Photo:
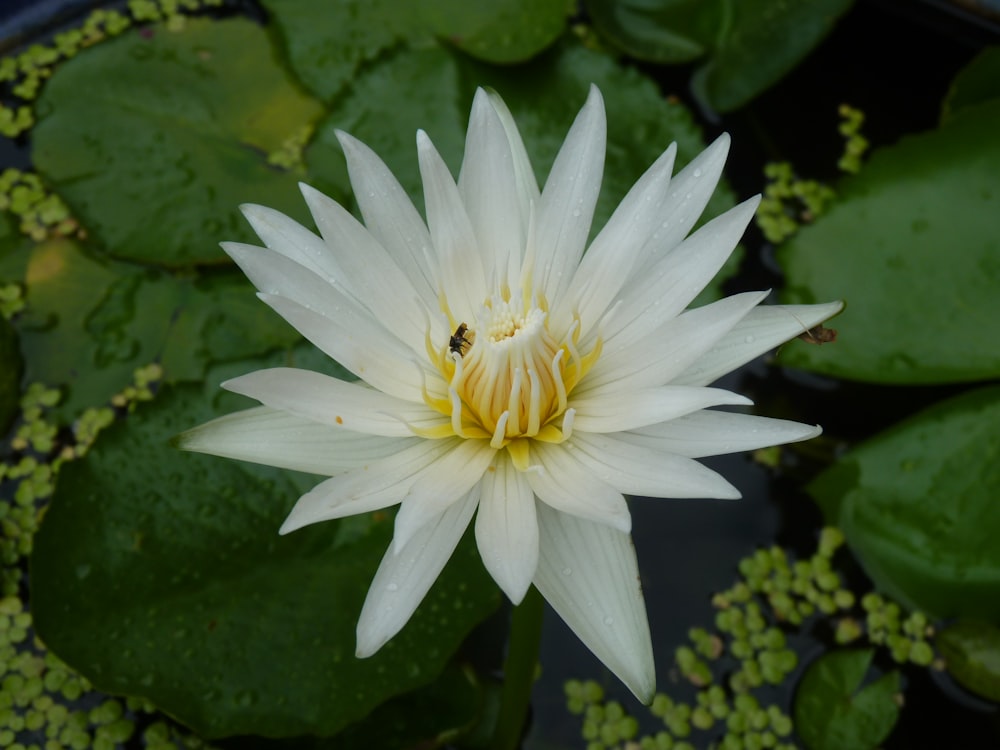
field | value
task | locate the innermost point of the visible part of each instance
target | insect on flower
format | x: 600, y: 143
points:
x: 458, y: 343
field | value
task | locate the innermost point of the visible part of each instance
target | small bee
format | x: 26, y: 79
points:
x: 458, y: 343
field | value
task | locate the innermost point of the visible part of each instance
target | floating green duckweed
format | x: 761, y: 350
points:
x: 750, y: 647
x: 11, y: 300
x: 41, y: 214
x: 855, y: 144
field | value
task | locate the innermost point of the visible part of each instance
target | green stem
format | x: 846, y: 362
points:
x: 519, y: 671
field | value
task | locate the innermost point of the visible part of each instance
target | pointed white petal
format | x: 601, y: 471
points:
x: 566, y: 208
x: 588, y: 573
x: 373, y: 486
x: 491, y: 190
x: 562, y: 483
x: 460, y: 265
x: 275, y: 438
x: 524, y: 175
x: 610, y: 257
x: 761, y: 330
x: 507, y: 528
x: 452, y: 475
x: 376, y: 278
x: 406, y: 575
x: 669, y: 285
x: 690, y: 191
x: 346, y: 406
x: 286, y: 236
x: 639, y: 470
x: 390, y: 216
x: 671, y: 349
x: 714, y: 433
x: 610, y: 409
x: 360, y: 344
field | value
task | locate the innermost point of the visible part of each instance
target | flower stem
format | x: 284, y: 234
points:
x: 519, y: 671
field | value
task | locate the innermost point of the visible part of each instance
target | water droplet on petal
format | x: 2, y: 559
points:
x: 609, y: 620
x: 567, y: 571
x: 696, y: 173
x: 748, y: 340
x: 392, y: 587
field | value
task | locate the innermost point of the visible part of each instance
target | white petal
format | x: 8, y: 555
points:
x: 275, y: 438
x: 405, y: 576
x: 669, y: 285
x: 460, y: 265
x: 614, y: 410
x: 507, y: 528
x: 376, y: 277
x: 638, y: 470
x: 343, y: 405
x: 360, y: 344
x: 491, y: 190
x: 714, y: 433
x: 761, y: 330
x: 690, y: 191
x: 372, y: 486
x: 566, y: 208
x: 610, y: 257
x: 588, y: 573
x: 564, y: 484
x: 448, y: 479
x: 286, y: 236
x: 390, y: 216
x: 671, y: 349
x: 524, y: 175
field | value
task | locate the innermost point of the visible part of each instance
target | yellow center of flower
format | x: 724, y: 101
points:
x: 509, y: 375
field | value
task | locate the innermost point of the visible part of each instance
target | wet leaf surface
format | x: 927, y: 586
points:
x: 971, y: 651
x: 160, y: 573
x: 154, y: 138
x: 912, y: 247
x: 918, y: 506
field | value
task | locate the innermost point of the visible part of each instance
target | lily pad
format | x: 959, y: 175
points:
x: 918, y: 506
x: 976, y: 83
x: 833, y: 712
x: 155, y: 137
x: 161, y: 574
x: 912, y: 245
x: 91, y: 322
x: 432, y: 88
x: 971, y: 651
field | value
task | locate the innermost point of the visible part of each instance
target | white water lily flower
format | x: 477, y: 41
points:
x: 505, y: 374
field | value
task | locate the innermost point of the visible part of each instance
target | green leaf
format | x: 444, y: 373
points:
x: 327, y: 44
x: 10, y: 374
x: 91, y: 322
x: 758, y: 42
x: 154, y: 138
x: 161, y: 574
x: 912, y: 246
x: 972, y: 654
x: 918, y: 506
x: 660, y: 31
x: 830, y: 711
x: 502, y: 31
x: 976, y: 83
x: 432, y: 89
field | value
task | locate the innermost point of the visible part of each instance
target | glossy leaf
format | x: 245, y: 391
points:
x: 976, y: 83
x: 660, y: 31
x: 918, y: 506
x: 161, y: 574
x: 971, y: 651
x: 912, y: 246
x: 90, y: 323
x: 833, y: 712
x: 432, y: 88
x: 154, y: 139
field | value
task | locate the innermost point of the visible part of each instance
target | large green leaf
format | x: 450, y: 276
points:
x: 976, y: 83
x: 161, y: 574
x: 155, y: 138
x: 918, y: 504
x: 91, y: 322
x: 912, y: 245
x: 661, y: 31
x: 833, y: 712
x: 757, y: 43
x: 971, y: 651
x: 501, y: 31
x: 432, y: 88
